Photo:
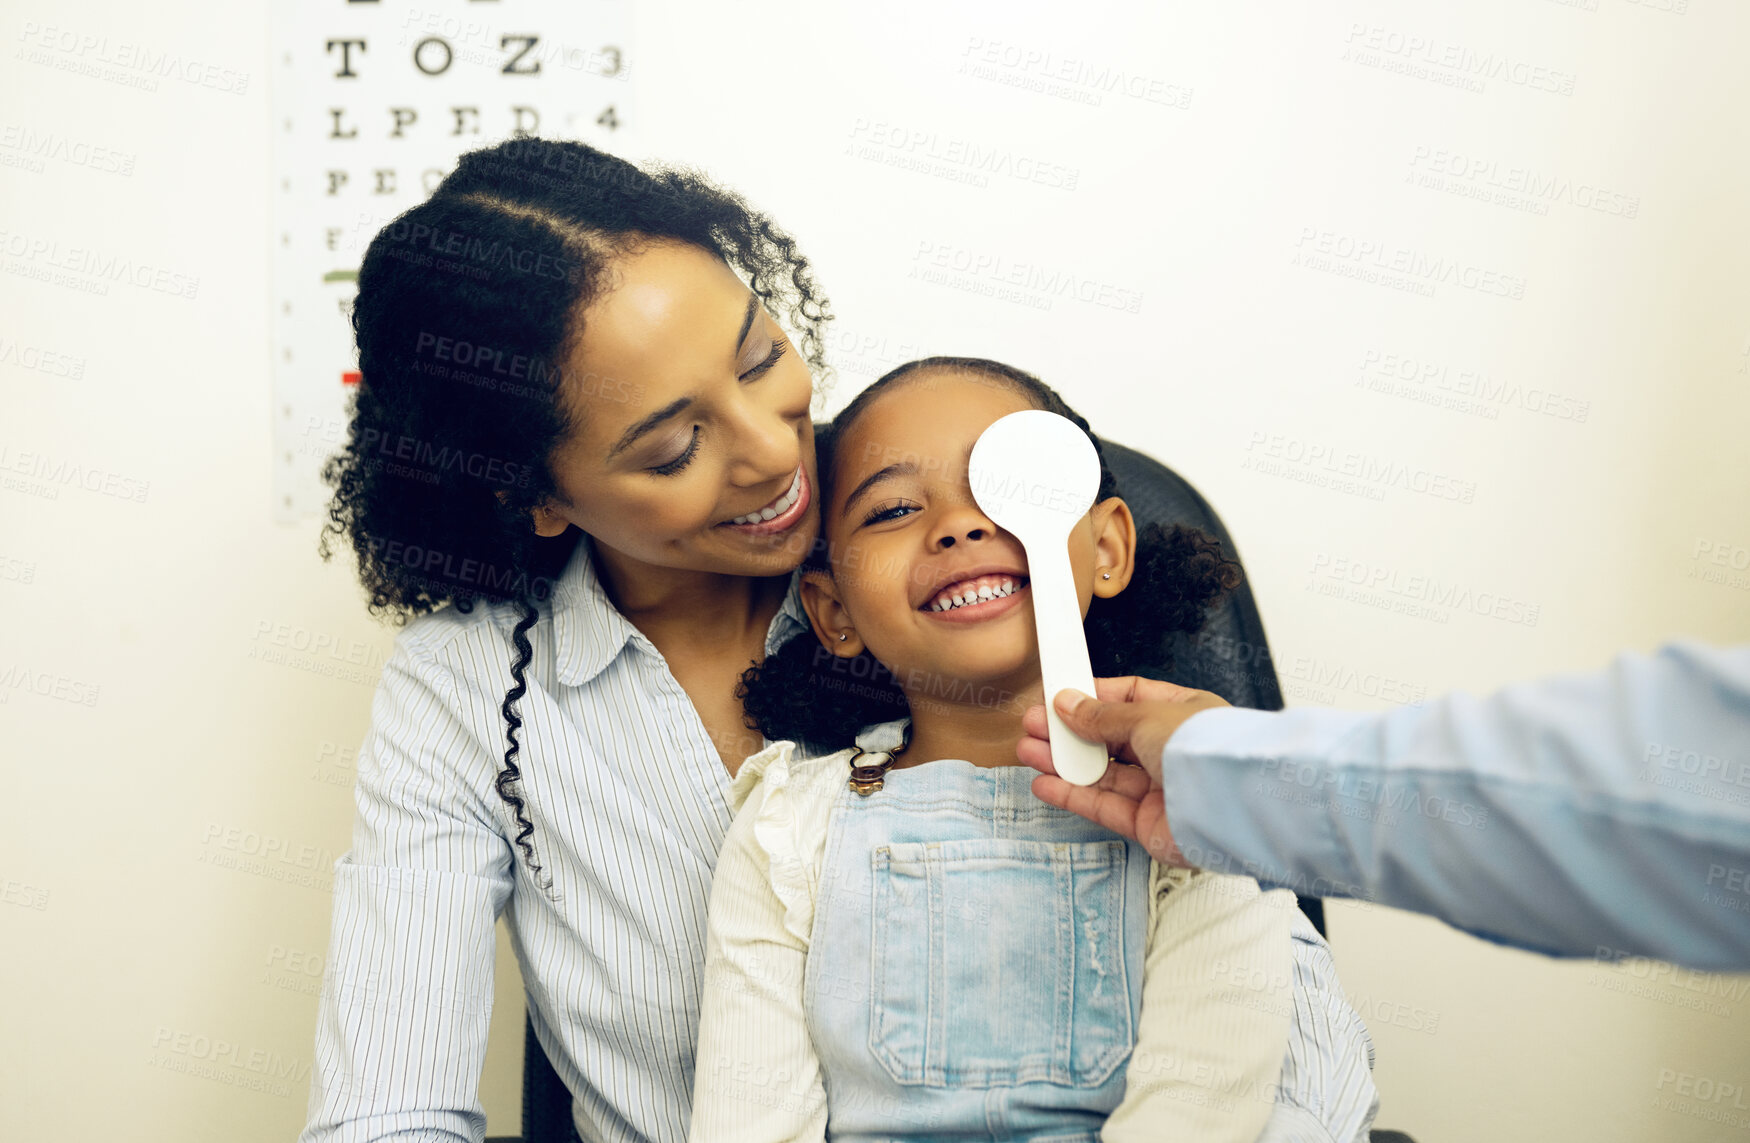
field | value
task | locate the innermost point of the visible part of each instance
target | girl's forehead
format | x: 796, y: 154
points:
x: 935, y: 413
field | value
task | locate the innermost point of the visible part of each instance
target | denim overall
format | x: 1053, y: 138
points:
x: 975, y: 966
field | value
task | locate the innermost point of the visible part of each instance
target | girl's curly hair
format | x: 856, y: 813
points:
x: 468, y: 306
x: 805, y: 693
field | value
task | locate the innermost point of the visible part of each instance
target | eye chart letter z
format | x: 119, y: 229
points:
x: 373, y: 100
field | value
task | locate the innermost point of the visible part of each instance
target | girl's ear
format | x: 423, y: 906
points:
x: 827, y: 615
x: 1114, y: 546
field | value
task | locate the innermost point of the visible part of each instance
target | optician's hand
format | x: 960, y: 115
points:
x: 1134, y: 717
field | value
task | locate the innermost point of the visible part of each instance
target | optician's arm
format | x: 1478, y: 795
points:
x: 758, y: 1077
x: 401, y: 1031
x: 1604, y: 814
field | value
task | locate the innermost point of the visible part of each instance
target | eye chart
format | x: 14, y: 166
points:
x: 373, y: 100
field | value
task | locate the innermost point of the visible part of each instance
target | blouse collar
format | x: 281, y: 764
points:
x: 589, y: 632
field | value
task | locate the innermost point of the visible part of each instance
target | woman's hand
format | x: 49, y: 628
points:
x: 1134, y: 717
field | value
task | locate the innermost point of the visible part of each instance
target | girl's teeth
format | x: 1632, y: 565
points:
x: 778, y: 508
x: 979, y: 594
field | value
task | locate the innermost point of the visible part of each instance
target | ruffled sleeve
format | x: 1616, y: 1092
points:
x: 752, y: 1024
x: 753, y: 768
x: 1216, y: 1002
x: 789, y: 803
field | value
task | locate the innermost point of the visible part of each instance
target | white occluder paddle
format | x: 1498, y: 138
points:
x: 1035, y: 475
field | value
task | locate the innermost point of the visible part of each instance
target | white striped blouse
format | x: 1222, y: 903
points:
x: 629, y: 801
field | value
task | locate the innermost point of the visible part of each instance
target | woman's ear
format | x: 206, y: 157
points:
x: 827, y: 615
x: 548, y: 523
x: 1114, y: 546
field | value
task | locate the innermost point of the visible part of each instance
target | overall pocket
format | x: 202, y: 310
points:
x: 999, y: 962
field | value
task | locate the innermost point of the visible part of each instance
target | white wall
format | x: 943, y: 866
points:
x: 163, y: 612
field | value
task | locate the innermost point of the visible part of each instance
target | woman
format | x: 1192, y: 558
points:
x: 583, y: 430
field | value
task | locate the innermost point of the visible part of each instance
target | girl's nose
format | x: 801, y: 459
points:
x: 963, y: 523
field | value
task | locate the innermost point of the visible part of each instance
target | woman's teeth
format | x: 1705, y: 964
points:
x: 777, y: 507
x: 974, y: 591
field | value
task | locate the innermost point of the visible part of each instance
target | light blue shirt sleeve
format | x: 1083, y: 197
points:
x: 406, y: 1001
x: 1601, y: 815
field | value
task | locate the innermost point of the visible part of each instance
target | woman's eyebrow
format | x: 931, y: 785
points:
x: 753, y: 304
x: 648, y: 423
x: 676, y: 406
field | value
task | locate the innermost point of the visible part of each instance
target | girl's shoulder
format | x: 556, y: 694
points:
x: 781, y: 798
x: 785, y: 769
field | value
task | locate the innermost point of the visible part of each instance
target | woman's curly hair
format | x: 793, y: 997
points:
x: 805, y: 693
x: 468, y: 306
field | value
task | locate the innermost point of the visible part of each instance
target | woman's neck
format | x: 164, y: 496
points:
x: 981, y: 728
x: 709, y: 608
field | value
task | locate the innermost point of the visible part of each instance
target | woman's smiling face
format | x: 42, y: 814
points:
x: 907, y: 536
x: 694, y: 446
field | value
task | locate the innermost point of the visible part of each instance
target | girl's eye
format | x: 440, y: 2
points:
x: 682, y: 460
x: 765, y: 366
x: 892, y: 510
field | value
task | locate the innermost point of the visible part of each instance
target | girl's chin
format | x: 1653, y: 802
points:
x: 979, y: 676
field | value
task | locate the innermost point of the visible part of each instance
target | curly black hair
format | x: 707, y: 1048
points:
x: 467, y: 306
x: 804, y: 693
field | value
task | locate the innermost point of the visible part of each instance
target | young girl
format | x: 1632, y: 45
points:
x: 903, y: 942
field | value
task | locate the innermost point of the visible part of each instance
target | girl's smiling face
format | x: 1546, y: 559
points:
x: 906, y: 537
